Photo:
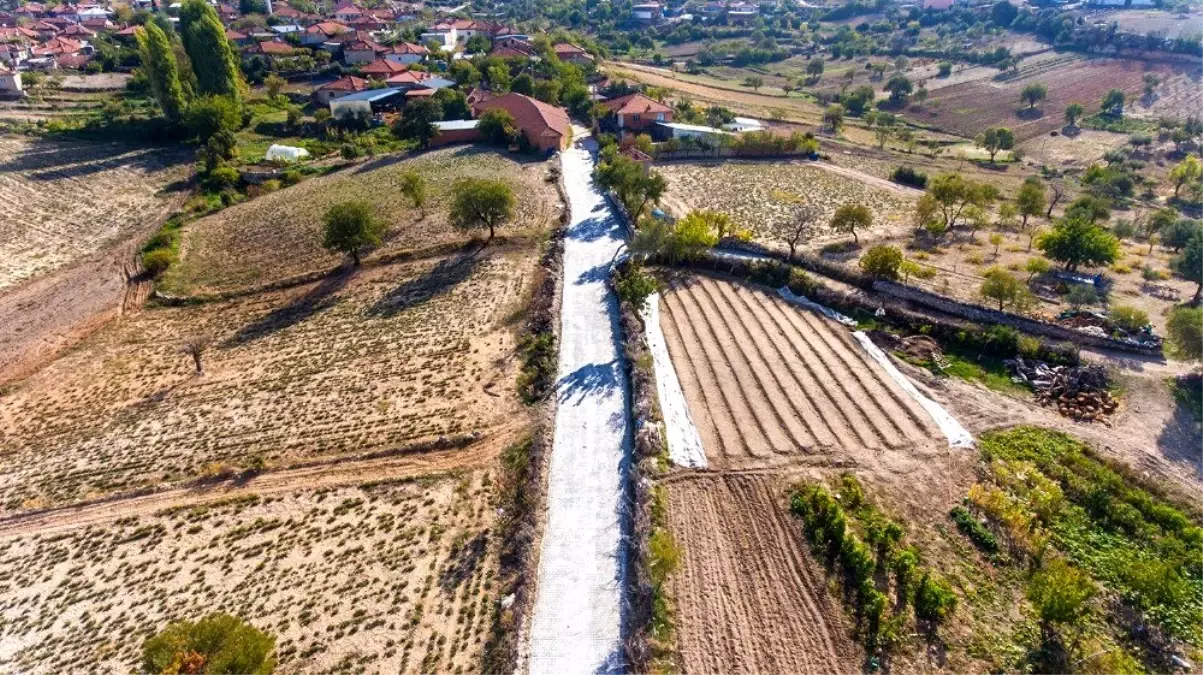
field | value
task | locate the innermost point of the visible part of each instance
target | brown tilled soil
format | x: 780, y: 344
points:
x: 767, y: 382
x: 750, y: 598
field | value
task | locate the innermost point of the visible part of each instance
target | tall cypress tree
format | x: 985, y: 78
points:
x: 158, y: 60
x: 213, y: 60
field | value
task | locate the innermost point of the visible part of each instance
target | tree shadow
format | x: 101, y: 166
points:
x: 592, y: 229
x: 593, y: 378
x: 598, y: 273
x: 1181, y: 440
x: 50, y: 160
x: 318, y: 299
x: 463, y: 561
x: 1029, y: 113
x: 438, y: 280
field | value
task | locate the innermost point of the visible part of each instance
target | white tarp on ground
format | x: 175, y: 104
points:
x: 806, y: 302
x: 958, y: 436
x: 684, y: 442
x: 577, y: 621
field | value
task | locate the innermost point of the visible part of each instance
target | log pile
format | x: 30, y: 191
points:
x: 1078, y: 392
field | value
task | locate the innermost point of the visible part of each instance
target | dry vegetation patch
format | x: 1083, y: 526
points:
x: 389, y: 577
x: 366, y: 361
x: 60, y: 202
x: 280, y: 234
x: 758, y: 194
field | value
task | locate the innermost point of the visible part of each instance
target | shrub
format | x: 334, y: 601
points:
x: 291, y: 177
x: 157, y: 261
x: 218, y: 643
x: 1128, y: 318
x: 538, y: 352
x: 1185, y: 332
x: 909, y: 176
x: 222, y: 178
x: 971, y: 527
x: 934, y: 600
x: 1081, y: 295
x: 882, y: 262
x: 634, y: 285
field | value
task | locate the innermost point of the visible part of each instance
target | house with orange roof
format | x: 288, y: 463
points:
x: 634, y: 113
x: 407, y: 53
x: 570, y: 53
x: 545, y: 127
x: 382, y: 69
x: 348, y: 84
x: 322, y: 32
x: 360, y: 52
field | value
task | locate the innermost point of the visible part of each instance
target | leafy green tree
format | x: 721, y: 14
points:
x: 454, y: 104
x: 273, y: 84
x: 219, y: 644
x: 995, y: 139
x: 851, y: 217
x: 351, y: 227
x: 417, y: 121
x: 413, y: 186
x: 858, y: 100
x: 1113, y: 101
x: 212, y: 115
x: 499, y: 78
x: 159, y: 64
x: 833, y: 117
x: 1188, y: 171
x: 1189, y: 264
x: 1074, y: 112
x: 1036, y: 267
x: 1030, y: 200
x: 953, y: 194
x: 1094, y: 209
x: 1034, y: 93
x: 900, y: 87
x: 815, y: 68
x: 693, y: 235
x: 634, y: 187
x: 934, y: 600
x: 1001, y: 287
x: 1076, y: 241
x: 548, y: 91
x: 212, y: 58
x: 523, y: 84
x: 634, y: 285
x: 479, y: 203
x: 1185, y: 332
x: 497, y: 125
x: 882, y: 262
x: 1179, y: 233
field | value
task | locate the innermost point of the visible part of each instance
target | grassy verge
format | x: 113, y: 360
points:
x: 1121, y: 125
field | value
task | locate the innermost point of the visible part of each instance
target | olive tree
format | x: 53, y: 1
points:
x: 351, y: 227
x: 480, y: 203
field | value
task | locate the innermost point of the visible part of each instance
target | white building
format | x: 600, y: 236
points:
x: 10, y: 82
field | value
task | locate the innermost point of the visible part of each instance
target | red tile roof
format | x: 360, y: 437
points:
x: 409, y: 48
x: 383, y: 67
x: 635, y: 104
x: 272, y: 48
x: 327, y: 28
x: 346, y: 83
x: 535, y: 118
x: 408, y: 77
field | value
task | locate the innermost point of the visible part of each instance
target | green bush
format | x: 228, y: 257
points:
x: 538, y: 352
x: 222, y: 178
x: 217, y: 644
x: 907, y: 175
x: 634, y: 286
x: 156, y: 261
x: 1128, y: 318
x: 971, y: 527
x: 291, y: 177
x: 934, y: 600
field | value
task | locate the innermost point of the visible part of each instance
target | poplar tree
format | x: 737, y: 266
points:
x: 213, y: 60
x: 158, y: 59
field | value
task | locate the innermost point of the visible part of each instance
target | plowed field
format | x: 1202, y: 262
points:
x: 750, y: 598
x: 767, y: 382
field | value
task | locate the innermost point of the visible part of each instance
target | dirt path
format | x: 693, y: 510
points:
x: 750, y: 597
x: 869, y: 179
x: 768, y: 383
x: 327, y: 474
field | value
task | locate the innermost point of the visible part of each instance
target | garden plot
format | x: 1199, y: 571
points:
x: 749, y: 596
x: 280, y: 234
x: 759, y: 194
x: 367, y: 361
x: 768, y: 384
x: 62, y: 202
x: 388, y: 577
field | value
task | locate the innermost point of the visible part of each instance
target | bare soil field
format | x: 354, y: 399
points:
x: 969, y: 107
x: 757, y: 194
x: 391, y: 576
x: 750, y: 598
x: 279, y: 234
x: 364, y: 361
x: 62, y: 202
x: 769, y: 384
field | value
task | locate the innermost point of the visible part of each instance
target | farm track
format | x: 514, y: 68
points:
x: 750, y: 598
x: 767, y: 383
x: 330, y: 473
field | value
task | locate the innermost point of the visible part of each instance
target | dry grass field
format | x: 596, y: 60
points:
x: 757, y: 194
x: 61, y: 202
x: 375, y: 360
x: 768, y: 383
x: 393, y: 576
x: 279, y: 234
x: 750, y: 597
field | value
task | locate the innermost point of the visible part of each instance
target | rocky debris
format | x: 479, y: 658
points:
x: 1078, y: 392
x: 1101, y: 325
x: 919, y: 347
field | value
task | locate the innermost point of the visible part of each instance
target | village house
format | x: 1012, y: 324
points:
x: 348, y: 84
x: 545, y: 127
x: 634, y: 113
x: 320, y: 33
x: 570, y: 53
x: 382, y: 69
x: 362, y: 52
x: 406, y: 53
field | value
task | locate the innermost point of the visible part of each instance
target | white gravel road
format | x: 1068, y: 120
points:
x: 576, y: 625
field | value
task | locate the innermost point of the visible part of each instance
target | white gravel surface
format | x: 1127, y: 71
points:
x: 684, y: 442
x: 576, y: 625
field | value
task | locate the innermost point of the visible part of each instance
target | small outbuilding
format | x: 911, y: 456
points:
x: 367, y: 103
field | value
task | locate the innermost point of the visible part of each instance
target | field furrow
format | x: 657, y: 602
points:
x: 747, y: 600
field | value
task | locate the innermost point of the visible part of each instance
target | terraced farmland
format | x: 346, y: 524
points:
x: 768, y: 384
x: 750, y: 598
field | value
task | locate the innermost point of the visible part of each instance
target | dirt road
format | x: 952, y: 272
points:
x: 750, y: 597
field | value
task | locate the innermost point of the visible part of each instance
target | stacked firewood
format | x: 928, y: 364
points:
x: 1078, y: 392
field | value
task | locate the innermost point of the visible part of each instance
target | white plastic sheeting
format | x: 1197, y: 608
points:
x: 958, y: 436
x: 576, y: 624
x: 285, y: 153
x: 803, y: 301
x: 684, y: 442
